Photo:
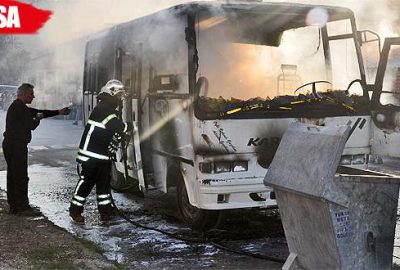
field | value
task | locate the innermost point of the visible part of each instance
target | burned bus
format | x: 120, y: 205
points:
x: 212, y: 87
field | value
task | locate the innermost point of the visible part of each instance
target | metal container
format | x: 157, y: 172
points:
x: 333, y: 217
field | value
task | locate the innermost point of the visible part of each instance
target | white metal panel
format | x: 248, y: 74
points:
x: 383, y: 143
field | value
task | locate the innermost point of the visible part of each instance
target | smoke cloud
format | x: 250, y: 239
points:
x: 379, y: 16
x: 75, y: 19
x: 56, y: 65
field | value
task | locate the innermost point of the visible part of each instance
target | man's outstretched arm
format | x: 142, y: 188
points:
x: 49, y: 113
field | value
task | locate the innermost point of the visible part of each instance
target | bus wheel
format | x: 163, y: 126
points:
x: 195, y: 218
x: 118, y: 182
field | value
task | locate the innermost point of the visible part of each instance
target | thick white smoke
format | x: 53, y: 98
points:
x: 74, y: 19
x: 379, y: 16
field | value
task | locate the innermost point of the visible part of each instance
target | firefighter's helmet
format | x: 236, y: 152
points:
x: 112, y: 87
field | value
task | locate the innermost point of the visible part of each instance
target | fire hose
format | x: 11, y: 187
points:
x: 200, y: 240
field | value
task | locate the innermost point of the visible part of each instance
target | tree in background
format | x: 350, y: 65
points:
x: 13, y: 60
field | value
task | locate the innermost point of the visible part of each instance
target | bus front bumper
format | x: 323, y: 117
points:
x: 235, y: 193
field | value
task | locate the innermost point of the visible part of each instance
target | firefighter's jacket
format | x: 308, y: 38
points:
x: 102, y: 125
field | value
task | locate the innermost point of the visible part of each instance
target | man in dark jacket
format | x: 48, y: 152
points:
x: 97, y: 146
x: 20, y: 121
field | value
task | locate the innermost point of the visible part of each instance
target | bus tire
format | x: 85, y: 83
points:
x: 195, y: 218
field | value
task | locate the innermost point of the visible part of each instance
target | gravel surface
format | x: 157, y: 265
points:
x: 36, y: 243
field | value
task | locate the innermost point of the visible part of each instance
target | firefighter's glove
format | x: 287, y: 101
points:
x: 116, y: 138
x: 112, y: 148
x: 114, y: 144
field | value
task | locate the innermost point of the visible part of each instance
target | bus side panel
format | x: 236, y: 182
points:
x: 171, y: 137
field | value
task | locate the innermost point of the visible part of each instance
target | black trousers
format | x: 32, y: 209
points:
x: 16, y: 155
x: 93, y: 174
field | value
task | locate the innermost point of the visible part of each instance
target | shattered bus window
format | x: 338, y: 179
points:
x: 252, y: 68
x: 391, y: 83
x: 246, y: 71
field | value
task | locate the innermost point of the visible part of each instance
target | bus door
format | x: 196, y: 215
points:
x: 386, y: 100
x: 90, y: 87
x: 128, y: 71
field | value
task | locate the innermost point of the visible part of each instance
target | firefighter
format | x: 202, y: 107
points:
x: 20, y: 121
x: 98, y: 144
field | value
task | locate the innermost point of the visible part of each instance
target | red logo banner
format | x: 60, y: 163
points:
x: 21, y: 18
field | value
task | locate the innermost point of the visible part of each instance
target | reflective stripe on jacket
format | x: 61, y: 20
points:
x: 103, y: 123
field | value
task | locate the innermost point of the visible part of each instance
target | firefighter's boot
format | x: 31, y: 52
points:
x: 76, y: 214
x: 108, y: 214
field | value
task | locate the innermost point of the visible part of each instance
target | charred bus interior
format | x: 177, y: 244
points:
x: 280, y: 61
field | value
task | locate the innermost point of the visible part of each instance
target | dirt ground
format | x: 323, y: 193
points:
x: 36, y: 243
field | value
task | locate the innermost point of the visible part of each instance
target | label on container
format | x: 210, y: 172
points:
x: 343, y: 225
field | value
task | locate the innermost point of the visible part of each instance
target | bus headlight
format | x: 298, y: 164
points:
x: 358, y: 159
x: 205, y: 167
x: 240, y: 166
x: 353, y: 159
x: 222, y: 166
x: 345, y: 160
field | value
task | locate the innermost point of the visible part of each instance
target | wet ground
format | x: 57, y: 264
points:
x: 53, y: 177
x: 51, y: 188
